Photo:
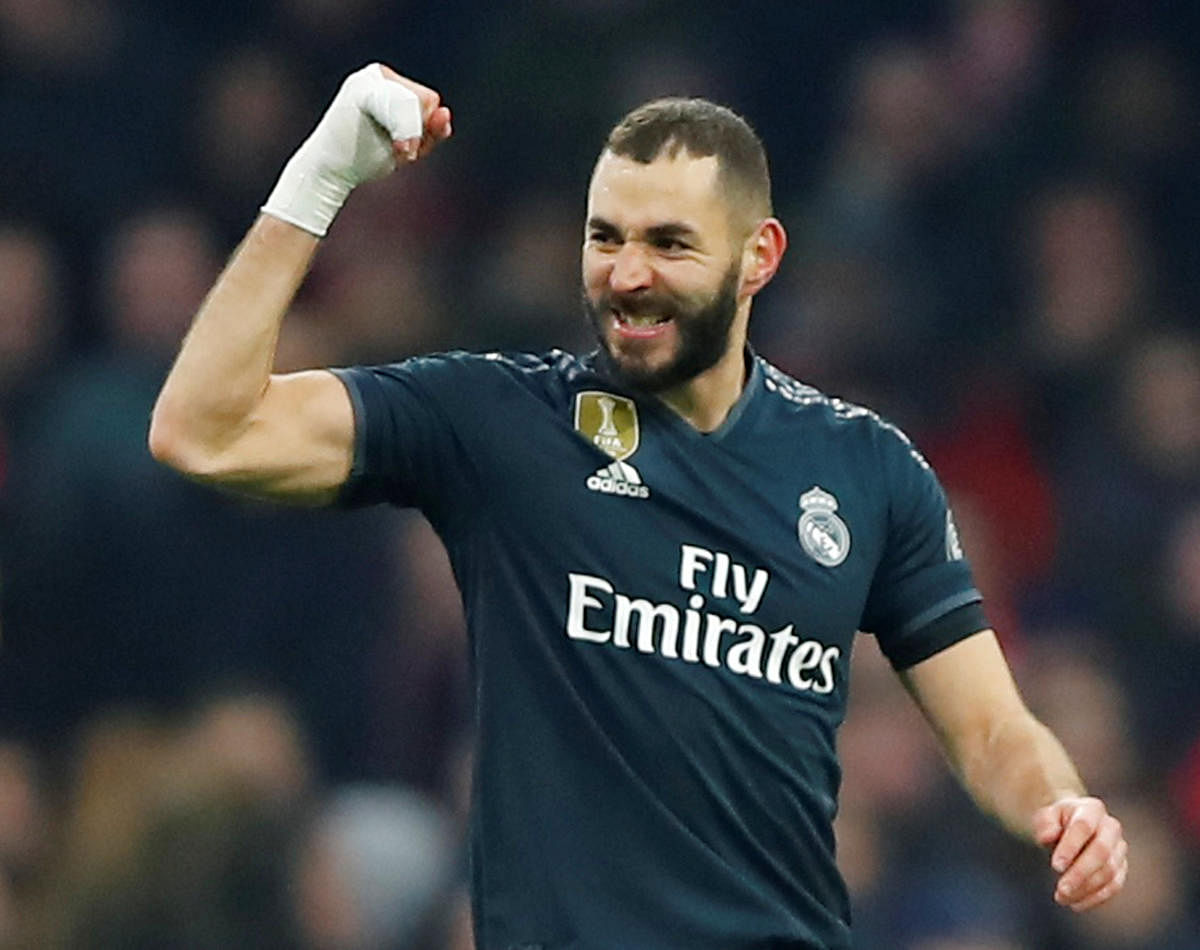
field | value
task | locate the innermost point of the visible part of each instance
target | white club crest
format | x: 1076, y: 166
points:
x: 823, y: 535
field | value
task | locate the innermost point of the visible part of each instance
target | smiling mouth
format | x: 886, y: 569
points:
x: 640, y: 325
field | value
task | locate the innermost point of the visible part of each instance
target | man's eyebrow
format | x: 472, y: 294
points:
x: 657, y: 232
x: 671, y: 230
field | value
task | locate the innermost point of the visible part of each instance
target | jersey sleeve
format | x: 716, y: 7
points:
x: 922, y: 598
x: 408, y: 447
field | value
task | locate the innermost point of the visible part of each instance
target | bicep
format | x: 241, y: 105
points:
x: 298, y: 444
x: 966, y: 693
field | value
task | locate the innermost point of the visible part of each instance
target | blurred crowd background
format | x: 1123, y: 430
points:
x: 224, y: 725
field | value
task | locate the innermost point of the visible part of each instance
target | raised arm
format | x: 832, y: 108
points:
x: 222, y: 416
x: 1016, y: 769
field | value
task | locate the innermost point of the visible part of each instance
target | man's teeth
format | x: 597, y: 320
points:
x: 640, y: 321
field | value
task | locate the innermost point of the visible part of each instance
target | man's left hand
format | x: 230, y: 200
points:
x: 1089, y: 850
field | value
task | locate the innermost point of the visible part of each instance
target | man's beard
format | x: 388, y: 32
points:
x: 702, y: 325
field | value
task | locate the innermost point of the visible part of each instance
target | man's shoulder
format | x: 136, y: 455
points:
x: 553, y: 362
x: 796, y: 403
x: 813, y: 406
x: 512, y: 363
x: 462, y: 367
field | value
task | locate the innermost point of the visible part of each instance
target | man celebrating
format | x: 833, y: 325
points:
x: 665, y: 549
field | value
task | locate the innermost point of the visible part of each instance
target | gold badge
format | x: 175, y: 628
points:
x: 609, y: 422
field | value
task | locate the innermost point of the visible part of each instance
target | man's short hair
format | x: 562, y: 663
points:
x: 701, y: 128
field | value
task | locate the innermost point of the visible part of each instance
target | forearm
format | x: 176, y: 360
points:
x: 1018, y: 768
x: 224, y: 366
x: 1010, y: 763
x: 1023, y: 776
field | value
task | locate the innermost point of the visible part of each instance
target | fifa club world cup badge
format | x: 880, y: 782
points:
x: 823, y: 535
x: 609, y: 422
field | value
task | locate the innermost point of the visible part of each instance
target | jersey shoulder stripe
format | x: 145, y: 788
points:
x: 554, y: 359
x: 840, y: 410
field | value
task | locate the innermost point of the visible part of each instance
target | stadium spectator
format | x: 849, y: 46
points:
x: 148, y: 619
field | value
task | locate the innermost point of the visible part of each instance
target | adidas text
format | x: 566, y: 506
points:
x: 618, y: 478
x: 608, y: 485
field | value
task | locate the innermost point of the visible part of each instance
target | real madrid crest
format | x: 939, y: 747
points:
x: 609, y: 422
x: 823, y: 535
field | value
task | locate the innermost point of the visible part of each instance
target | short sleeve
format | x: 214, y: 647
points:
x: 408, y: 450
x: 922, y: 598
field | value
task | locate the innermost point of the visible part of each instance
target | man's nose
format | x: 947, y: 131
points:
x: 631, y: 269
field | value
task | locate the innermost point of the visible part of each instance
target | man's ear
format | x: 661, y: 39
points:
x: 761, y: 255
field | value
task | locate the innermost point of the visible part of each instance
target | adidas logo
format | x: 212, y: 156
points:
x: 619, y: 478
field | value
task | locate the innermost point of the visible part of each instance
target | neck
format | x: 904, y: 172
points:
x: 704, y: 401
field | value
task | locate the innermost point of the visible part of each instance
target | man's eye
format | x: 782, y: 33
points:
x: 601, y: 237
x: 670, y: 244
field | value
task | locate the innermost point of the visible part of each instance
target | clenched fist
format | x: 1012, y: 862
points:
x: 376, y: 117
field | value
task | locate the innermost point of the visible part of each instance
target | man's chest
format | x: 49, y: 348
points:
x: 714, y: 539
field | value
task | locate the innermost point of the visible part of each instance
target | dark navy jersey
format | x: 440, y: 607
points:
x: 661, y: 623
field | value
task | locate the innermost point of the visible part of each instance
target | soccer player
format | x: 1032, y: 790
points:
x: 665, y: 549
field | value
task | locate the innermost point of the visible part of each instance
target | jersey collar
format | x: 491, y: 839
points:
x: 653, y: 404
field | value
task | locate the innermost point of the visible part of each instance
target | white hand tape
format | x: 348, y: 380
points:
x: 351, y: 144
x: 392, y: 104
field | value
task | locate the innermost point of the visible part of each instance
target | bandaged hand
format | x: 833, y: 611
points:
x: 375, y: 117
